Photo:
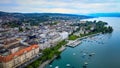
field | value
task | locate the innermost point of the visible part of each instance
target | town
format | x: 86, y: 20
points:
x: 26, y: 44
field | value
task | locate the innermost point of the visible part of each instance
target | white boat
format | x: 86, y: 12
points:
x: 92, y: 53
x: 86, y: 63
x: 57, y: 67
x: 67, y: 65
x: 50, y: 65
x: 84, y: 54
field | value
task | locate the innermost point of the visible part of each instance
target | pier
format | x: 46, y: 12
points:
x: 74, y: 43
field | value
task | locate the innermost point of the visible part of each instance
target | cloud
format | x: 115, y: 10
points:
x: 60, y: 6
x: 5, y: 1
x: 59, y: 10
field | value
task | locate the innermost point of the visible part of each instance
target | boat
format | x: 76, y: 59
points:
x: 67, y: 65
x: 50, y: 65
x: 84, y: 54
x: 92, y: 53
x: 86, y: 63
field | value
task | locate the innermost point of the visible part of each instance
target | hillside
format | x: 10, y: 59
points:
x: 41, y: 16
x: 16, y: 19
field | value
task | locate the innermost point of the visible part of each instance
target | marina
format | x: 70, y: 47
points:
x: 74, y: 43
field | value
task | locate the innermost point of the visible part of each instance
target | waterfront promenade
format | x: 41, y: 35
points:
x: 48, y: 61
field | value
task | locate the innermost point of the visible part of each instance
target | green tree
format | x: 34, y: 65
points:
x: 36, y: 64
x: 20, y: 29
x: 29, y: 66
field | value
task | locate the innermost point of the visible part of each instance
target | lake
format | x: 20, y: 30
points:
x: 106, y: 48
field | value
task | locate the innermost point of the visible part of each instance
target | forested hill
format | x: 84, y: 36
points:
x: 40, y: 16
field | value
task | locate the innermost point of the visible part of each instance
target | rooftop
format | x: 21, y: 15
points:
x: 18, y: 53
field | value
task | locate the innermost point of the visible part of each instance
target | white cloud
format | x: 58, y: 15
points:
x: 5, y: 1
x: 63, y: 6
x: 59, y: 10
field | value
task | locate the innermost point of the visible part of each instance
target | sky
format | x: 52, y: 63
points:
x: 60, y: 6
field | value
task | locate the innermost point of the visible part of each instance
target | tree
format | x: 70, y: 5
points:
x: 20, y: 29
x: 57, y: 53
x: 36, y: 64
x: 30, y: 66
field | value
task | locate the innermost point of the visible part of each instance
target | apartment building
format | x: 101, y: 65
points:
x: 12, y: 56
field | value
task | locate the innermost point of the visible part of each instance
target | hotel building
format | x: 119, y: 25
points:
x: 13, y: 53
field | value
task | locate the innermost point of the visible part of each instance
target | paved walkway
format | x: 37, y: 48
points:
x: 48, y: 61
x: 44, y: 64
x: 62, y: 48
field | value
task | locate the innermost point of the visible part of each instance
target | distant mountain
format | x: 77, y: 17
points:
x: 31, y: 15
x: 105, y: 14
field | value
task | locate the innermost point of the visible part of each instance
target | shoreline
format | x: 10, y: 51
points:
x: 89, y: 36
x: 46, y: 62
x: 49, y: 61
x: 61, y: 50
x: 78, y: 40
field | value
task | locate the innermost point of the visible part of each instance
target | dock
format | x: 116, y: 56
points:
x: 74, y: 43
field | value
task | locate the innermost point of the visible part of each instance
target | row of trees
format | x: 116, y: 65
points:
x: 48, y: 54
x: 73, y: 37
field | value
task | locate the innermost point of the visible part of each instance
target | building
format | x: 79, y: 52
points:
x: 64, y: 35
x: 15, y: 55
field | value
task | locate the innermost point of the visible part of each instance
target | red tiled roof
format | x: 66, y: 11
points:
x: 20, y: 52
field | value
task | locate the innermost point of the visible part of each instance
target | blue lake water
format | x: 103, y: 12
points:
x: 105, y: 46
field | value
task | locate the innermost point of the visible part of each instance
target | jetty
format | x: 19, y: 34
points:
x: 73, y: 43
